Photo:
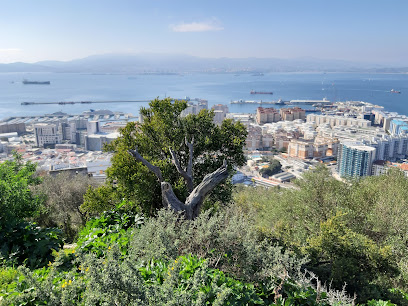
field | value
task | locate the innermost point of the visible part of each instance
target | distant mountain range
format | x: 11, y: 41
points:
x: 164, y: 64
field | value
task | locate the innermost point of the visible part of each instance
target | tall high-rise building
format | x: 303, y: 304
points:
x: 355, y: 159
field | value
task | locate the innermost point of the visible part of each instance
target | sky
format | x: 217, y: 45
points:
x: 371, y: 31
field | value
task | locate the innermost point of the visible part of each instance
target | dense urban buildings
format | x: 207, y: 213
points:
x: 365, y: 139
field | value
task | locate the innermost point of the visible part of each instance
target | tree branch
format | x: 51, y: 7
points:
x: 197, y: 196
x: 170, y: 200
x: 194, y: 201
x: 190, y: 159
x: 187, y: 177
x: 156, y: 170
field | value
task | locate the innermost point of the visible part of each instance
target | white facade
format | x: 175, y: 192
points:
x: 337, y: 120
x: 95, y: 142
x: 46, y: 133
x: 379, y: 169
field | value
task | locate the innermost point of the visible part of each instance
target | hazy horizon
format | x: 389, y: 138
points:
x: 169, y: 55
x: 64, y: 30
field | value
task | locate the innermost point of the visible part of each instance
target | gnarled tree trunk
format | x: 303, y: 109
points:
x: 194, y: 201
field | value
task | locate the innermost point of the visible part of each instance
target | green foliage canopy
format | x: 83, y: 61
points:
x: 17, y: 201
x: 163, y: 128
x: 63, y: 195
x: 273, y: 168
x: 365, y: 247
x: 345, y: 257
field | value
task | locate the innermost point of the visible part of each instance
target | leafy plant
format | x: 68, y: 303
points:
x: 28, y: 243
x: 293, y: 294
x: 111, y: 227
x: 17, y: 202
x: 7, y: 277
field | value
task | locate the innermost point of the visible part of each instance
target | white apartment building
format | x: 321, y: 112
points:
x: 388, y: 147
x: 47, y: 133
x: 337, y: 120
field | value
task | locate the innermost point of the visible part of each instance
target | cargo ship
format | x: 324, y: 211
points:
x: 26, y: 82
x: 253, y: 92
x: 395, y: 91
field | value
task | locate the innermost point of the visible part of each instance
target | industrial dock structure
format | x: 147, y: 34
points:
x: 324, y: 101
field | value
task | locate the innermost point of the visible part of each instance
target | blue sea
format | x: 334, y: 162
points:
x: 216, y: 88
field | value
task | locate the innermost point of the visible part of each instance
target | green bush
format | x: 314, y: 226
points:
x: 187, y: 280
x: 184, y: 281
x: 17, y: 202
x: 111, y: 227
x: 7, y: 277
x: 217, y: 259
x: 367, y: 251
x: 27, y: 243
x: 228, y: 240
x: 63, y: 195
x: 343, y: 256
x: 46, y: 286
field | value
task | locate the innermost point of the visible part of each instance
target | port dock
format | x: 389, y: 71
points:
x: 110, y: 101
x: 281, y: 102
x: 83, y: 102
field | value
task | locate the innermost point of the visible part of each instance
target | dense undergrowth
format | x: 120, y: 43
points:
x: 320, y: 244
x: 352, y: 232
x: 218, y: 258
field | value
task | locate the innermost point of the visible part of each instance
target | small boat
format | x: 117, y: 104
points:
x: 395, y: 91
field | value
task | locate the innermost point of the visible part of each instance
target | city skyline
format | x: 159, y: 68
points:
x: 363, y: 31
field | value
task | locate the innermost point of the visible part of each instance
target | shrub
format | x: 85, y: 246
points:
x: 227, y: 240
x: 111, y: 227
x: 343, y: 256
x: 235, y: 266
x: 63, y: 196
x: 17, y: 202
x: 7, y: 277
x: 27, y: 243
x: 187, y: 280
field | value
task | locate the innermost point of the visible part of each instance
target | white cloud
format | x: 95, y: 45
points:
x: 205, y: 26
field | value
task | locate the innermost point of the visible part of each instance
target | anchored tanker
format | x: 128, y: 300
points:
x: 26, y: 82
x: 253, y: 92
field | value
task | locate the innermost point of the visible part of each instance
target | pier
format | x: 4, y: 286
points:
x: 110, y: 101
x: 83, y: 102
x: 281, y: 102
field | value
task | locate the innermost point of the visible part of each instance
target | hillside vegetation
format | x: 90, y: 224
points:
x: 324, y: 243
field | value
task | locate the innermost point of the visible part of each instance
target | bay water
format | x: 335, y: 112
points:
x: 216, y: 88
